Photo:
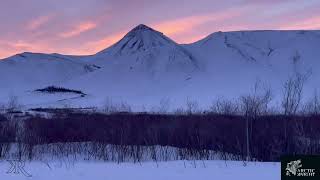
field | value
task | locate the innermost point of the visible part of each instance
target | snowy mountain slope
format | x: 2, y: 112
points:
x: 28, y: 71
x: 241, y: 58
x: 145, y: 66
x: 228, y: 65
x: 143, y: 63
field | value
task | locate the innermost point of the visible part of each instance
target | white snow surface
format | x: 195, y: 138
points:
x: 186, y: 170
x: 145, y: 66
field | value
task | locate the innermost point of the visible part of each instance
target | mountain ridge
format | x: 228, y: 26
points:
x: 145, y: 66
x: 145, y: 27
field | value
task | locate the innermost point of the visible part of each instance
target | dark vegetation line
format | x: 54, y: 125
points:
x: 270, y: 136
x: 54, y: 89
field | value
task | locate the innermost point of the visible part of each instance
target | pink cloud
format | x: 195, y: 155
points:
x: 36, y: 23
x: 307, y: 24
x: 105, y: 42
x: 177, y: 26
x: 78, y: 29
x: 11, y: 48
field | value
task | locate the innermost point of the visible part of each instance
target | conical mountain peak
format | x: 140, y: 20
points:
x: 141, y: 38
x: 142, y: 27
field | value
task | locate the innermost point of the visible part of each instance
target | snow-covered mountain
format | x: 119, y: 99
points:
x: 26, y: 72
x: 235, y: 60
x: 146, y: 50
x: 145, y: 66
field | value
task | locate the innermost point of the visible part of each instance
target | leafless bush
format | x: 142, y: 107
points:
x: 13, y: 103
x: 257, y: 103
x: 312, y: 107
x: 292, y: 93
x: 2, y: 108
x: 224, y: 106
x: 180, y: 111
x: 124, y: 107
x: 164, y: 105
x: 192, y: 106
x: 7, y: 135
x: 109, y: 106
x: 291, y: 100
x: 112, y: 107
x: 253, y: 106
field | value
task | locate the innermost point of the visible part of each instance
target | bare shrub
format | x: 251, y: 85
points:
x: 257, y: 103
x: 123, y: 107
x: 312, y: 107
x: 109, y: 106
x: 292, y: 93
x: 291, y: 100
x: 253, y: 106
x: 192, y: 106
x: 164, y: 105
x: 224, y: 106
x: 179, y: 111
x: 13, y: 103
x: 6, y: 136
x: 2, y: 108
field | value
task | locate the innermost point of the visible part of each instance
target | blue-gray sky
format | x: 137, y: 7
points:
x: 87, y: 26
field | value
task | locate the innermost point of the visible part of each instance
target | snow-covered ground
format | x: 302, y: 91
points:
x: 184, y: 170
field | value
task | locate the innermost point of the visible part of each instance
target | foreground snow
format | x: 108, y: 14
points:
x: 186, y: 170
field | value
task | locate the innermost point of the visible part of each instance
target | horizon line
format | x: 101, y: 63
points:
x: 204, y: 37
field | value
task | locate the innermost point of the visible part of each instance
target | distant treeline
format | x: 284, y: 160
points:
x: 270, y: 136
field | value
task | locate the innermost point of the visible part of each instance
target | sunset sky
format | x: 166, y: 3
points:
x: 86, y: 26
